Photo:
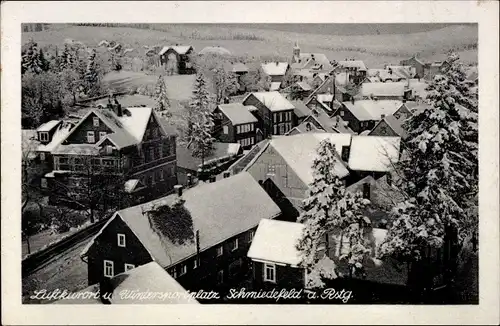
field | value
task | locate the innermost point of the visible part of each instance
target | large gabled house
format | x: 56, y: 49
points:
x: 356, y: 68
x: 176, y: 59
x: 419, y: 66
x: 234, y: 123
x: 199, y: 235
x: 311, y: 62
x: 276, y: 71
x: 284, y: 167
x: 133, y: 143
x: 274, y: 112
x: 362, y: 115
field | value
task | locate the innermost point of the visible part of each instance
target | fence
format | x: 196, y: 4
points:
x: 31, y: 263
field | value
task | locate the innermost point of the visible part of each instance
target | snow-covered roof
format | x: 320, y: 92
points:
x: 274, y: 101
x: 275, y: 68
x: 307, y: 60
x: 360, y: 65
x: 219, y: 210
x: 237, y: 113
x: 59, y: 135
x: 301, y: 110
x: 373, y: 153
x: 382, y: 89
x: 275, y: 86
x: 181, y: 49
x: 215, y: 50
x: 365, y: 110
x: 325, y: 97
x: 149, y: 277
x: 48, y: 126
x: 275, y: 242
x: 304, y: 86
x: 299, y: 152
x: 137, y: 122
x: 239, y: 67
x: 130, y: 185
x: 187, y: 161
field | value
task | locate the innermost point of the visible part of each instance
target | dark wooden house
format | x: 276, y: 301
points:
x: 234, y: 123
x: 273, y: 111
x: 273, y: 267
x: 200, y: 235
x: 134, y: 144
x: 176, y: 59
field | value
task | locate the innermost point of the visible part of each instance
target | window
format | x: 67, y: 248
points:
x: 102, y: 134
x: 173, y: 272
x: 250, y: 236
x: 270, y: 273
x: 121, y: 240
x: 195, y: 263
x: 96, y: 121
x: 152, y: 154
x: 225, y: 130
x: 271, y: 169
x: 234, y: 244
x: 275, y: 117
x: 42, y: 156
x: 275, y: 130
x: 397, y: 115
x: 108, y: 268
x: 90, y: 137
x: 183, y: 270
x: 129, y: 267
x: 220, y: 276
x: 341, y: 113
x: 43, y: 183
x: 162, y: 177
x: 252, y: 141
x: 155, y: 132
x: 44, y: 136
x: 220, y: 251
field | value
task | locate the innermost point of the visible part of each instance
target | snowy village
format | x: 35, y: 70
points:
x: 247, y: 164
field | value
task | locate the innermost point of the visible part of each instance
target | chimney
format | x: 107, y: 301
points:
x: 345, y: 153
x: 366, y: 190
x: 227, y: 174
x: 352, y: 99
x: 117, y: 107
x: 212, y: 179
x: 189, y: 179
x: 382, y: 116
x: 178, y: 190
x: 105, y: 290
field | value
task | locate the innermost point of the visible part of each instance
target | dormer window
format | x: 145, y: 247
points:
x: 44, y: 136
x: 95, y: 121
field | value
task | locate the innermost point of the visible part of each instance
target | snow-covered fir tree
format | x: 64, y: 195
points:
x: 200, y: 120
x: 329, y: 208
x: 44, y: 63
x: 162, y: 103
x: 91, y: 76
x: 67, y: 59
x: 30, y: 60
x: 439, y: 170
